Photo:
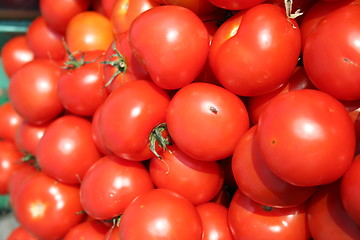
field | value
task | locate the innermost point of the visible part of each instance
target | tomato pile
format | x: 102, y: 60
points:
x: 184, y: 120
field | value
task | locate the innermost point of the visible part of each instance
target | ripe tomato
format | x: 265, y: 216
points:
x: 15, y: 53
x: 44, y: 41
x: 10, y: 121
x: 160, y: 213
x: 214, y: 218
x: 181, y: 46
x: 21, y: 233
x: 199, y: 7
x: 107, y: 6
x: 98, y: 140
x: 88, y: 31
x: 111, y: 184
x: 251, y: 220
x: 196, y: 180
x: 58, y: 13
x: 34, y: 97
x: 113, y: 233
x: 128, y: 116
x: 255, y: 51
x: 258, y: 182
x: 306, y: 137
x: 205, y: 121
x: 81, y: 88
x: 237, y: 4
x: 47, y: 208
x: 331, y: 61
x: 327, y: 218
x: 67, y: 149
x: 90, y: 229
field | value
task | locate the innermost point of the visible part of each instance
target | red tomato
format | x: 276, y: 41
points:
x: 10, y: 121
x: 10, y: 162
x: 180, y: 49
x: 111, y: 184
x: 58, y: 13
x: 67, y: 149
x: 310, y: 144
x: 349, y: 190
x: 214, y: 218
x: 195, y: 180
x: 331, y: 60
x: 113, y: 233
x: 258, y: 182
x: 96, y: 133
x: 124, y: 12
x: 205, y: 121
x: 120, y: 65
x: 128, y: 116
x: 90, y: 229
x: 21, y: 233
x: 107, y: 6
x: 327, y: 218
x: 47, y: 208
x: 88, y: 31
x: 15, y: 53
x: 160, y: 213
x: 81, y: 88
x: 28, y: 136
x: 34, y: 97
x: 237, y: 4
x: 44, y: 41
x: 199, y: 7
x: 255, y: 51
x: 251, y: 220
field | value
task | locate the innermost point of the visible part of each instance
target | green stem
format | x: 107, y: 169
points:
x: 156, y: 136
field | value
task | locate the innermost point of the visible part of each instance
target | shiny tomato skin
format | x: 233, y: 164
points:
x: 310, y: 144
x: 96, y: 133
x: 181, y: 46
x: 10, y: 121
x: 28, y: 135
x: 251, y: 220
x: 15, y: 53
x: 34, y: 97
x: 47, y: 208
x: 110, y: 184
x: 205, y: 121
x: 128, y: 116
x: 196, y: 180
x: 258, y: 182
x: 199, y: 7
x: 89, y: 229
x: 160, y: 213
x: 67, y: 149
x: 21, y: 233
x: 256, y: 51
x: 237, y: 4
x: 327, y: 218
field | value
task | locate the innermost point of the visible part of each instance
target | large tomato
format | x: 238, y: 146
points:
x: 21, y: 233
x: 173, y: 51
x: 90, y: 229
x: 128, y: 116
x: 67, y: 149
x: 160, y: 214
x: 306, y: 137
x: 205, y: 121
x: 111, y: 184
x: 10, y: 121
x: 255, y: 51
x: 251, y: 220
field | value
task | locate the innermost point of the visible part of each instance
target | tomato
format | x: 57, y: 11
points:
x: 111, y: 184
x: 327, y: 218
x: 20, y: 233
x: 47, y: 208
x: 58, y: 14
x: 81, y: 88
x: 67, y: 149
x: 128, y: 116
x: 34, y: 97
x: 107, y: 6
x: 44, y: 41
x: 90, y: 229
x: 10, y: 162
x: 214, y: 218
x: 205, y: 121
x: 349, y: 190
x: 196, y: 180
x: 97, y: 137
x: 124, y: 12
x: 310, y: 144
x: 113, y: 233
x: 199, y: 7
x: 181, y: 46
x: 258, y: 182
x: 255, y: 51
x: 160, y: 213
x: 236, y: 5
x: 120, y: 65
x: 251, y: 220
x: 15, y: 53
x: 88, y: 31
x: 10, y: 121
